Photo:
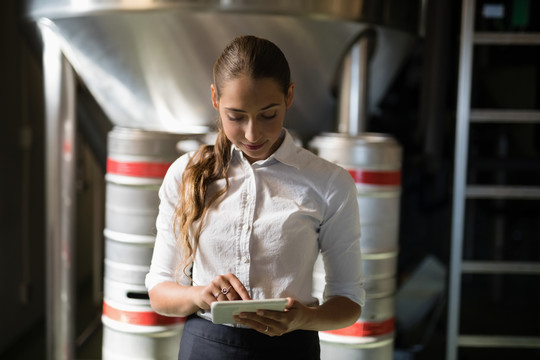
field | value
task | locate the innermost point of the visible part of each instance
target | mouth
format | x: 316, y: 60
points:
x: 253, y: 147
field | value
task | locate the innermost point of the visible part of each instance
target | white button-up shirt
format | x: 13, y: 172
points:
x: 269, y: 228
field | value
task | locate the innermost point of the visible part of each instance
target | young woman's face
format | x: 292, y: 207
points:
x: 252, y: 113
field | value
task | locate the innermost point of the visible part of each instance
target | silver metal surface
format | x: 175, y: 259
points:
x: 370, y: 150
x: 135, y: 145
x: 136, y: 164
x: 379, y: 350
x: 502, y: 192
x: 131, y: 208
x: 506, y: 116
x: 125, y: 341
x: 497, y: 38
x: 460, y: 175
x: 378, y: 310
x: 60, y: 159
x: 500, y: 267
x: 353, y: 96
x: 153, y: 69
x: 379, y: 219
x: 523, y: 342
x: 398, y: 14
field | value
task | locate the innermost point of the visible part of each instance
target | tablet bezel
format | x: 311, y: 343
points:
x: 223, y: 311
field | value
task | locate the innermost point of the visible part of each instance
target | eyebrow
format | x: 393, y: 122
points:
x: 243, y: 111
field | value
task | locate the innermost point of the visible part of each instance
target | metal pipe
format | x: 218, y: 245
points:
x: 460, y: 176
x: 353, y: 98
x: 60, y: 130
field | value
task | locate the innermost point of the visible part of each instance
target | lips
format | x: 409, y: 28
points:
x: 254, y: 147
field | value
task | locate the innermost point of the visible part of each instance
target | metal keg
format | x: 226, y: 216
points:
x: 137, y: 332
x: 375, y: 323
x: 131, y: 208
x: 137, y: 161
x: 383, y: 349
x: 136, y: 164
x: 379, y: 271
x: 371, y: 337
x: 128, y: 256
x: 374, y: 162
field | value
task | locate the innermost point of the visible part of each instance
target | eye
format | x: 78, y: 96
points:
x: 269, y: 116
x: 234, y: 117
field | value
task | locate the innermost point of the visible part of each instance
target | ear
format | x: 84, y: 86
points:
x: 215, y: 102
x: 290, y: 96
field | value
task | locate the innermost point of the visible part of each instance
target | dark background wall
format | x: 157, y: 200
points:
x: 21, y: 183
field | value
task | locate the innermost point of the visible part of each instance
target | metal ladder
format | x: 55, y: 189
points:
x: 463, y: 191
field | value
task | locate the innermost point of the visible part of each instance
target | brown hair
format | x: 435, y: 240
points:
x: 244, y: 56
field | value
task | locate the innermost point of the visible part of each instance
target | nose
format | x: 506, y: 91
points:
x: 252, y: 131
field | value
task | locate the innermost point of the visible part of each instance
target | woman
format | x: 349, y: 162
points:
x: 246, y: 219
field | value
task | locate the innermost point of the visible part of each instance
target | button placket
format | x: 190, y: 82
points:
x: 248, y: 207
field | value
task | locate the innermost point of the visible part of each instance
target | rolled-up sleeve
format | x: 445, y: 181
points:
x: 166, y: 256
x: 339, y: 238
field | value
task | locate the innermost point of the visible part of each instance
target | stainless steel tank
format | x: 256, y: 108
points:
x: 149, y: 63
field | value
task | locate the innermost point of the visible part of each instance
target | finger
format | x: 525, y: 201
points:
x: 228, y: 292
x: 240, y: 292
x: 216, y: 294
x: 271, y: 316
x: 220, y: 287
x: 271, y: 331
x: 206, y: 296
x: 251, y: 320
x: 211, y: 295
x: 269, y: 328
x: 228, y: 287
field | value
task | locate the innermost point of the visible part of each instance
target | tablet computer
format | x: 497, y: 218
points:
x: 223, y: 311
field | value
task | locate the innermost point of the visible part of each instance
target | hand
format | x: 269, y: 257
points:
x: 274, y: 323
x: 222, y: 288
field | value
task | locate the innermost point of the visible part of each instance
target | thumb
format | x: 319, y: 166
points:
x: 290, y: 303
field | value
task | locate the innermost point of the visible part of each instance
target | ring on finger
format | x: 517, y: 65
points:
x: 266, y: 330
x: 225, y: 290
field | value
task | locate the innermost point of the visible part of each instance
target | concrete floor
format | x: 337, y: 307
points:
x: 33, y: 345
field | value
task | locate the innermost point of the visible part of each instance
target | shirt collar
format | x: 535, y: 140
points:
x: 286, y: 153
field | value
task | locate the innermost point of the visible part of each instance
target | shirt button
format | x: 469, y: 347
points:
x: 245, y: 259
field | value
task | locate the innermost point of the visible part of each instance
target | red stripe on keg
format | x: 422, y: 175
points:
x: 145, y: 318
x: 360, y: 329
x: 138, y: 169
x: 376, y: 177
